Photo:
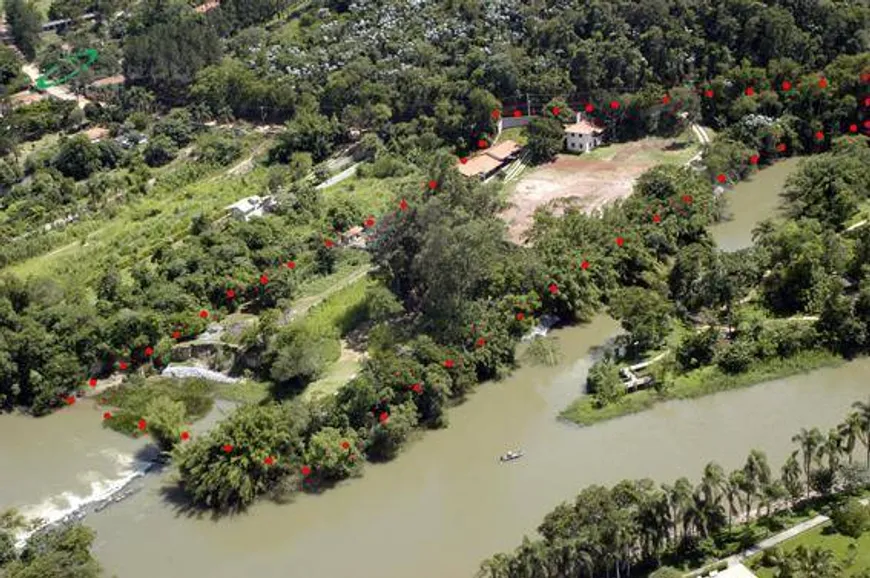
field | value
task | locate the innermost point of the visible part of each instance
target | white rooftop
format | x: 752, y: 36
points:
x: 736, y: 571
x: 246, y: 205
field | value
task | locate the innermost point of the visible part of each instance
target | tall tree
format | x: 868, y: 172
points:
x: 864, y: 433
x: 809, y: 442
x: 25, y: 23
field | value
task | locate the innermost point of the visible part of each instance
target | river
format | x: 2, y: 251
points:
x: 446, y: 502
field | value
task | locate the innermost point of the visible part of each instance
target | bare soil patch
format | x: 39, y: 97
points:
x: 588, y: 181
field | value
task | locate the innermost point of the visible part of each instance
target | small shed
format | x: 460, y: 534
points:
x: 504, y: 151
x: 96, y: 134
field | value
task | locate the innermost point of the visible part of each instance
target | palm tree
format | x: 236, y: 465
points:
x: 496, y: 567
x: 791, y: 476
x: 815, y: 562
x: 809, y: 444
x: 732, y: 494
x: 681, y: 499
x: 756, y: 474
x: 831, y: 449
x: 850, y: 430
x: 713, y: 483
x: 864, y: 418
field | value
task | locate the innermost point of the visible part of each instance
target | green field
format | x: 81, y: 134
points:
x: 817, y: 537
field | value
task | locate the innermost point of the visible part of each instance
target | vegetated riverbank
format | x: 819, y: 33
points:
x: 635, y: 525
x: 704, y: 381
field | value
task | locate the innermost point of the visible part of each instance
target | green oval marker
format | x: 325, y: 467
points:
x: 42, y: 83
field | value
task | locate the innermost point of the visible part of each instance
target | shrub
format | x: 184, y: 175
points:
x: 604, y: 382
x: 159, y: 151
x: 851, y: 519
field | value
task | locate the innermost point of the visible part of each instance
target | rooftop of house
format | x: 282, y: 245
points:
x: 208, y: 6
x: 246, y: 205
x: 26, y: 97
x: 503, y: 150
x: 582, y: 127
x: 479, y: 165
x: 736, y: 571
x: 96, y: 133
x: 109, y: 81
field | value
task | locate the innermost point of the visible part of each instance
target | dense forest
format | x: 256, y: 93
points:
x: 420, y: 80
x: 635, y: 526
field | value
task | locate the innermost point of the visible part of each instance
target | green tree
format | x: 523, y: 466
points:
x: 851, y: 518
x: 159, y: 151
x: 546, y: 139
x: 605, y: 383
x: 165, y: 420
x: 300, y: 352
x: 334, y: 455
x: 791, y: 477
x: 814, y: 562
x: 59, y: 553
x: 386, y: 438
x: 809, y: 441
x: 227, y: 468
x: 25, y: 23
x: 308, y: 131
x: 645, y: 314
x: 77, y: 158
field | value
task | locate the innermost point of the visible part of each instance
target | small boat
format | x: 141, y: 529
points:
x: 511, y: 456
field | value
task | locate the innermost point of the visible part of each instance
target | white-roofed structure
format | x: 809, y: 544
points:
x: 735, y: 571
x: 250, y: 207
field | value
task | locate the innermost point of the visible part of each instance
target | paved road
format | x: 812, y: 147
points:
x: 345, y: 174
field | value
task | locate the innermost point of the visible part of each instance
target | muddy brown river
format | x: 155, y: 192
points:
x: 446, y: 503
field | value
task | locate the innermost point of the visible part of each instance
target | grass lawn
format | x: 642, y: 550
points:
x: 836, y: 542
x: 703, y: 381
x: 652, y: 153
x: 518, y: 134
x: 373, y: 196
x: 337, y: 376
x: 247, y: 391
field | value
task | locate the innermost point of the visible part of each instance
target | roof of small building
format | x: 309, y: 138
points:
x: 203, y: 8
x: 736, y: 571
x: 503, y: 150
x: 245, y: 205
x: 96, y: 133
x: 26, y: 97
x: 583, y: 127
x: 110, y: 80
x: 479, y: 165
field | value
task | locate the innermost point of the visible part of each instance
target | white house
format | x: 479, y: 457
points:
x: 251, y: 207
x: 582, y: 136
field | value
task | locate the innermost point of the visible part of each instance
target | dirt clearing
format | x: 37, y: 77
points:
x: 592, y: 180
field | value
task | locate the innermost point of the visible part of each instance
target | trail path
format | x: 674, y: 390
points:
x: 779, y: 538
x: 61, y: 92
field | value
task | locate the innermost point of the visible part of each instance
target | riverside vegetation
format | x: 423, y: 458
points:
x: 637, y: 527
x: 450, y: 296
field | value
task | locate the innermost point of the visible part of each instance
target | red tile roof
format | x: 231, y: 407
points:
x: 583, y: 127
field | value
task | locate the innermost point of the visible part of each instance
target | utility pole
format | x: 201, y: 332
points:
x: 528, y: 105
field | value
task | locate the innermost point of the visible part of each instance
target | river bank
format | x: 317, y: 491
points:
x: 705, y: 381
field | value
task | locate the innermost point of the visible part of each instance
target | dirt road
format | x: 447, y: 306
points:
x: 60, y: 92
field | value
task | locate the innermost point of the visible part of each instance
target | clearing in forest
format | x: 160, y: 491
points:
x: 593, y: 179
